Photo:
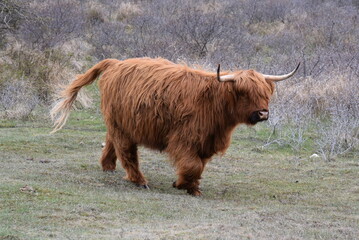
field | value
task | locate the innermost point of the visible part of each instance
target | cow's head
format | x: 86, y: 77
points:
x: 253, y: 91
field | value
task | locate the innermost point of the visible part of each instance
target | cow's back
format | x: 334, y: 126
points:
x: 144, y: 98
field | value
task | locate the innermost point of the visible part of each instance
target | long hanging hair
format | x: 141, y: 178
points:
x: 155, y: 102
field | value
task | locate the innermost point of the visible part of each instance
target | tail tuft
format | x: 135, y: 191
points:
x: 61, y: 111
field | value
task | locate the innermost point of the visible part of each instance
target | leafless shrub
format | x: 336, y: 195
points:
x: 145, y: 39
x: 338, y: 129
x: 43, y: 69
x: 108, y: 40
x: 327, y: 106
x: 11, y: 15
x: 53, y: 24
x: 338, y: 136
x: 24, y: 84
x: 94, y: 17
x: 18, y: 98
x: 128, y: 10
x: 266, y: 11
x: 195, y: 27
x: 135, y: 37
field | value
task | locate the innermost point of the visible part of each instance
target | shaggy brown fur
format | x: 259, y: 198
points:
x: 185, y: 112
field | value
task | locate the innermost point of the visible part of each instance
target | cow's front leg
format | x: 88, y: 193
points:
x: 189, y: 171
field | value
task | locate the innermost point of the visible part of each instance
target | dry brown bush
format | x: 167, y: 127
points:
x: 31, y: 77
x: 269, y: 36
x: 326, y: 105
x: 128, y: 10
x: 95, y: 16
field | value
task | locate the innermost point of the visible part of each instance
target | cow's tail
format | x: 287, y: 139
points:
x: 61, y: 110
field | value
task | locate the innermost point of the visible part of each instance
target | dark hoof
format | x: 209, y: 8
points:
x: 174, y: 184
x: 195, y: 192
x: 145, y: 186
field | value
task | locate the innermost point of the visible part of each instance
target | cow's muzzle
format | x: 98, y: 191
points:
x: 259, y: 116
x: 263, y: 115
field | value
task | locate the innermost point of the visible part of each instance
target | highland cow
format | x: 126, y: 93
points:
x: 188, y: 113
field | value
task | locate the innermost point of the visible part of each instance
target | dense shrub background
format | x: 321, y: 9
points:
x: 45, y: 43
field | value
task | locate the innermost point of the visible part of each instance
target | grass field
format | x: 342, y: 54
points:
x: 52, y: 187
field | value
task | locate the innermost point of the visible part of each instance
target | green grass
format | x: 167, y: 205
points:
x: 249, y: 193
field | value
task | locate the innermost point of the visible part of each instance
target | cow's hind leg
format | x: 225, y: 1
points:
x: 108, y: 159
x: 189, y: 171
x: 126, y: 152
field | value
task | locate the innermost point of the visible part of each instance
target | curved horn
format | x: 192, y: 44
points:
x: 224, y: 78
x: 218, y: 71
x: 277, y: 78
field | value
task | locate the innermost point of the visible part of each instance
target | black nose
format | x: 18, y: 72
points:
x: 258, y: 116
